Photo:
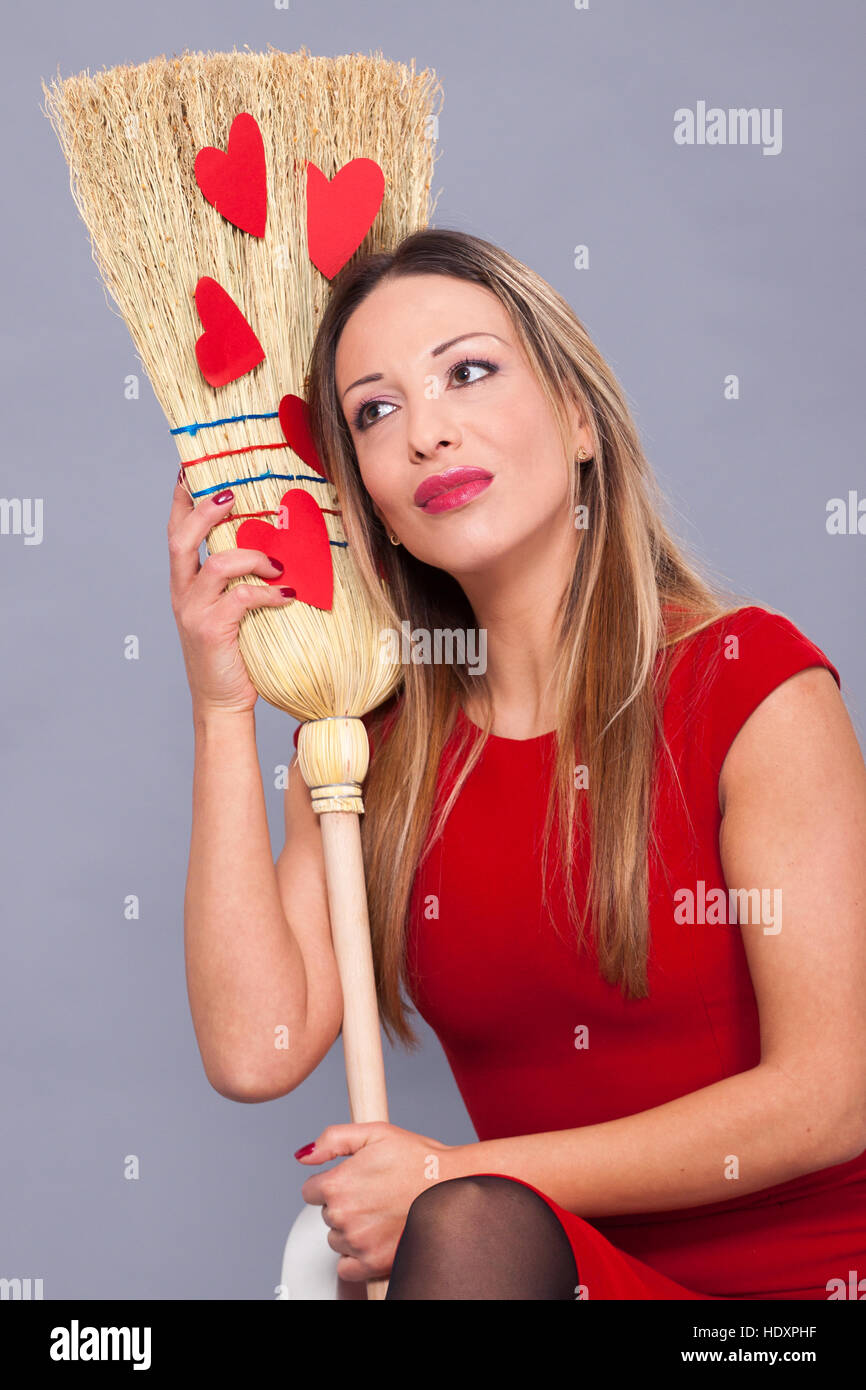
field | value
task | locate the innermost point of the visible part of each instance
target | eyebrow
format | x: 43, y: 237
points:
x: 434, y: 352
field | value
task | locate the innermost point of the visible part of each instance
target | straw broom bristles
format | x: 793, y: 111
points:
x: 130, y: 135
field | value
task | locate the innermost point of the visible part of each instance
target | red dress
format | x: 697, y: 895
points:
x: 504, y: 994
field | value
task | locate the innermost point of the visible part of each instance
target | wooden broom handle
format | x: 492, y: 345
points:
x: 350, y: 931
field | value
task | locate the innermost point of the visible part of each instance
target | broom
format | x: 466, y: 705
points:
x: 222, y: 192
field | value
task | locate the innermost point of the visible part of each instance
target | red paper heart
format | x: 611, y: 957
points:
x: 341, y: 211
x: 302, y: 547
x: 228, y: 348
x: 235, y: 180
x: 295, y: 424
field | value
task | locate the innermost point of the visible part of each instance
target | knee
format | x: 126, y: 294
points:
x: 458, y: 1202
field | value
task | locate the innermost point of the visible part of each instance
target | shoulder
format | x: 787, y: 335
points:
x: 729, y: 668
x: 800, y: 725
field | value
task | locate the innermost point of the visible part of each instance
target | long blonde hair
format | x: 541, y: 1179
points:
x: 632, y: 593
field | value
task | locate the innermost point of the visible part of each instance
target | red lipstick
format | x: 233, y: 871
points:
x: 457, y: 485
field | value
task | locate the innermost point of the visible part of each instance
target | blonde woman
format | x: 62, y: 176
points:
x: 618, y: 864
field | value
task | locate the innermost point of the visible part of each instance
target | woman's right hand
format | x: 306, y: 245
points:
x: 207, y: 616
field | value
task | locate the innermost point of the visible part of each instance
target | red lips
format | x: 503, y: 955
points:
x: 444, y: 482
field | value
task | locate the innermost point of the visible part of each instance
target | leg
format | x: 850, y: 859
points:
x: 482, y: 1237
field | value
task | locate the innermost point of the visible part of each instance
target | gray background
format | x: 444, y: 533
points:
x: 556, y: 130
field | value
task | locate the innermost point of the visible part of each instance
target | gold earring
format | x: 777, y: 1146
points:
x: 395, y: 540
x: 582, y: 455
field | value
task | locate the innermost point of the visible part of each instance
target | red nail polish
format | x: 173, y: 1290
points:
x: 224, y: 496
x: 276, y: 563
x: 288, y: 593
x: 307, y: 1149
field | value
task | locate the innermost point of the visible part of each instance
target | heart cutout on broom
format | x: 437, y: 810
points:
x: 234, y: 181
x: 302, y: 547
x: 228, y: 348
x: 294, y: 416
x: 341, y: 211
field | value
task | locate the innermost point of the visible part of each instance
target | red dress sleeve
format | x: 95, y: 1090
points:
x: 744, y: 657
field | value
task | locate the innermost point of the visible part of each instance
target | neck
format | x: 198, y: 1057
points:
x: 518, y: 600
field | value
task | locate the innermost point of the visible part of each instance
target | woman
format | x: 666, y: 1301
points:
x: 665, y: 1070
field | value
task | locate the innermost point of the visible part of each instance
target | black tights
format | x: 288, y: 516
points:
x: 482, y: 1237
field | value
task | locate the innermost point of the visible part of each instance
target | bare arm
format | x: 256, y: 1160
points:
x: 261, y: 975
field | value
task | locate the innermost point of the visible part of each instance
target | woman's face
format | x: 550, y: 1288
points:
x: 440, y: 404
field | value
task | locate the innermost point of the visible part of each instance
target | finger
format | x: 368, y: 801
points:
x: 188, y: 524
x: 218, y: 569
x: 351, y: 1270
x: 183, y: 558
x: 337, y: 1241
x: 338, y: 1140
x: 181, y: 502
x: 312, y: 1189
x: 239, y: 600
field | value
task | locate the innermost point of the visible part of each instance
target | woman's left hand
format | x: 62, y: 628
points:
x: 365, y: 1200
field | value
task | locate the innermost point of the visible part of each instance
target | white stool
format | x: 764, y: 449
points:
x: 309, y: 1270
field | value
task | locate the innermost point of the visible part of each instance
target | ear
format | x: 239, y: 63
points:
x: 580, y: 432
x: 577, y: 426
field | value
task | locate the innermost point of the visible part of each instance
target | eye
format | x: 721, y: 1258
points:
x: 470, y: 362
x: 361, y: 422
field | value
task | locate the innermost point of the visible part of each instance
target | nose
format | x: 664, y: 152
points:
x: 429, y: 427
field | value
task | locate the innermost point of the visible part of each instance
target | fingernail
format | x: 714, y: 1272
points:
x: 276, y: 564
x: 224, y: 496
x: 307, y: 1149
x: 288, y: 593
x: 180, y: 475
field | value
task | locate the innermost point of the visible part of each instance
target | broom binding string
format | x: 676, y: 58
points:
x: 334, y: 754
x: 228, y: 420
